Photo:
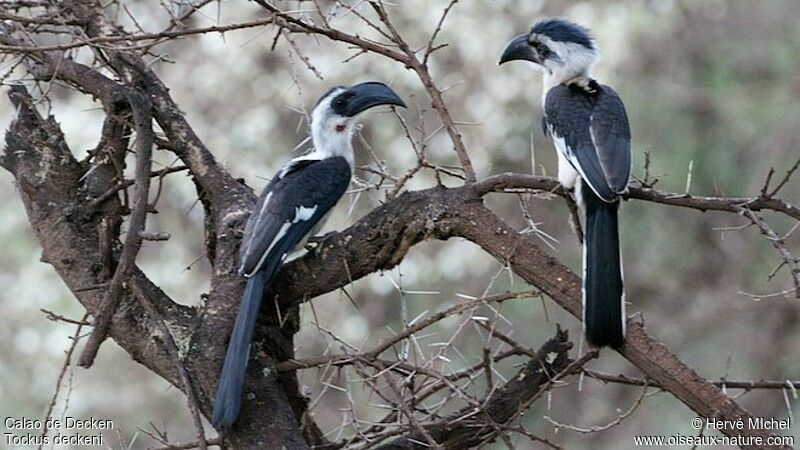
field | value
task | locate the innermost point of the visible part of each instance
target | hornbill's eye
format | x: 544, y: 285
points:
x: 340, y: 102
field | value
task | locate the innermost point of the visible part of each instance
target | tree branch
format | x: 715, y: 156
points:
x: 515, y: 181
x: 388, y: 232
x: 49, y: 184
x: 133, y: 239
x: 653, y: 358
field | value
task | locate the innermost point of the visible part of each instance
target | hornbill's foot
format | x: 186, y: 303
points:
x: 314, y: 243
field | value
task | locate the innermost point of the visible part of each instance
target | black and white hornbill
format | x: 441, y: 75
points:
x: 589, y: 127
x: 293, y: 206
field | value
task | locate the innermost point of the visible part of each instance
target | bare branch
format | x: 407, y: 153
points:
x: 783, y: 181
x: 67, y: 361
x: 133, y: 240
x: 728, y: 384
x: 788, y: 259
x: 430, y: 48
x: 502, y: 182
x: 125, y: 40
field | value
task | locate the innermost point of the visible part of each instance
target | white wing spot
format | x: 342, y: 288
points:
x: 304, y: 213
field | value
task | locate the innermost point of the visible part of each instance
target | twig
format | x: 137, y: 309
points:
x: 515, y: 346
x: 487, y: 370
x: 59, y: 318
x: 293, y: 24
x: 598, y: 428
x: 38, y: 20
x: 75, y: 338
x: 128, y: 183
x: 304, y: 58
x: 430, y: 48
x: 785, y: 179
x: 433, y: 92
x: 410, y: 414
x: 448, y: 312
x: 164, y: 35
x: 780, y: 246
x: 473, y: 424
x: 765, y: 187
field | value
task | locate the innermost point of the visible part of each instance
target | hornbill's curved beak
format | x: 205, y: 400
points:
x: 369, y: 94
x: 519, y: 48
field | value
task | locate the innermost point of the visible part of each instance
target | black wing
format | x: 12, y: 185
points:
x: 611, y: 135
x: 594, y: 127
x: 299, y: 196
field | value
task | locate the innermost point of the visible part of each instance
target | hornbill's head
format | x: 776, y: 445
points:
x: 556, y: 45
x: 336, y: 111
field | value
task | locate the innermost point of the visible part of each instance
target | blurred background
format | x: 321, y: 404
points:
x: 710, y: 84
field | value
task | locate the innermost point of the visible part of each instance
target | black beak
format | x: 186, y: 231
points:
x: 519, y: 48
x: 366, y: 95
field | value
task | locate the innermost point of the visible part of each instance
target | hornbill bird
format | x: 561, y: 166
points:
x: 294, y: 205
x: 589, y: 128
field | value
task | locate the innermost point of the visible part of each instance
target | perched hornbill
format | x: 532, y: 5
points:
x: 293, y: 206
x: 589, y: 127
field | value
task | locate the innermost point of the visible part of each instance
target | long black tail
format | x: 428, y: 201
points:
x: 603, y: 291
x: 228, y: 399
